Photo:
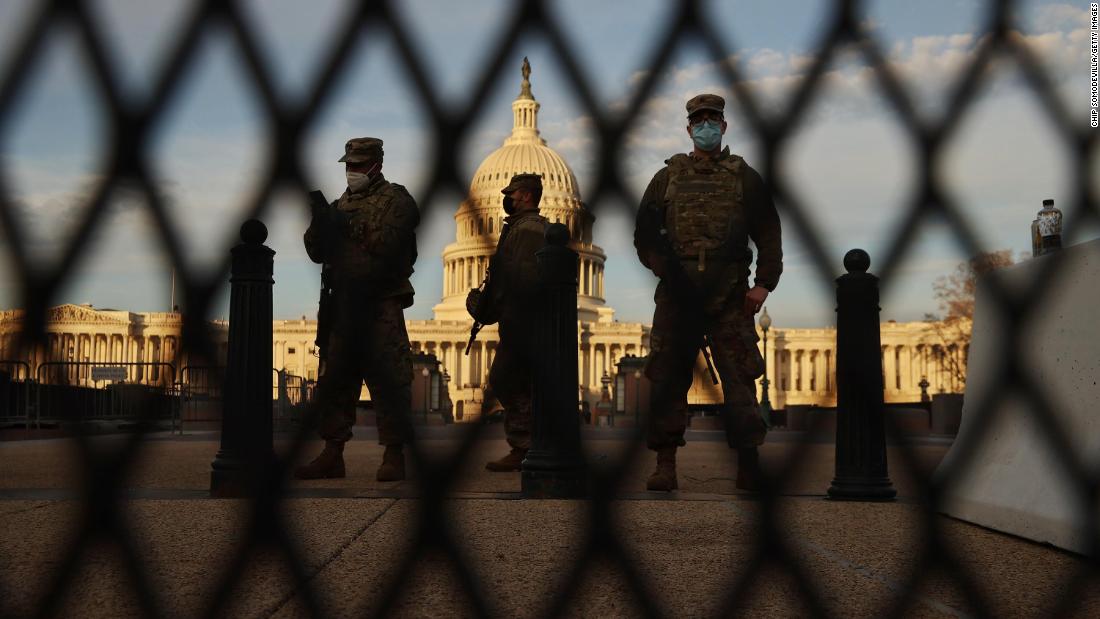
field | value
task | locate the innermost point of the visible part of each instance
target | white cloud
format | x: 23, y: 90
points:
x: 1059, y: 17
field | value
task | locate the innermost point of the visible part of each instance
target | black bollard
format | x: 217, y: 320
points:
x: 246, y: 447
x: 861, y: 473
x: 554, y: 468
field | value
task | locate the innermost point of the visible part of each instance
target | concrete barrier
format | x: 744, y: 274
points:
x: 1015, y: 482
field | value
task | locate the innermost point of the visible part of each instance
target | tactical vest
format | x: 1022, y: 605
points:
x: 354, y: 262
x: 704, y: 209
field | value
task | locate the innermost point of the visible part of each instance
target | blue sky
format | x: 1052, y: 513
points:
x: 850, y: 162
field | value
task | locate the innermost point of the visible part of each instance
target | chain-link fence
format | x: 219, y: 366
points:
x: 133, y: 121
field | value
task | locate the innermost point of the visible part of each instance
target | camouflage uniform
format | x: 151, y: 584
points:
x: 511, y: 297
x: 709, y: 209
x: 372, y: 248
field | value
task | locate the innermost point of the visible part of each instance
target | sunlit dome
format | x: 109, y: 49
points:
x: 524, y: 151
x: 479, y: 218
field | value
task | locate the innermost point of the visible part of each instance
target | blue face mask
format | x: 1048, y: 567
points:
x: 707, y: 135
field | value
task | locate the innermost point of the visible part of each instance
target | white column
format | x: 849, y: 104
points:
x: 485, y: 363
x: 591, y: 379
x: 460, y: 363
x: 582, y: 361
x: 594, y: 375
x: 456, y: 362
x: 890, y: 368
x: 475, y: 363
x: 904, y: 368
x: 471, y: 362
x: 818, y: 371
x: 800, y: 365
x: 769, y: 367
x: 463, y: 361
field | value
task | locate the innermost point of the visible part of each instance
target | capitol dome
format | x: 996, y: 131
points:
x: 479, y: 217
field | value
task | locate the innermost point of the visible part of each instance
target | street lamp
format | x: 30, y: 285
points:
x: 605, y: 398
x: 637, y: 398
x: 765, y: 402
x: 446, y: 395
x: 427, y: 386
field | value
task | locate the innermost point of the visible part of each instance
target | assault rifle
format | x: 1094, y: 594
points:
x: 320, y: 207
x: 683, y: 288
x: 480, y: 309
x: 481, y: 298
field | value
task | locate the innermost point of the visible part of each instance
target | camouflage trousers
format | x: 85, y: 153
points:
x: 673, y: 350
x: 510, y: 380
x: 368, y: 342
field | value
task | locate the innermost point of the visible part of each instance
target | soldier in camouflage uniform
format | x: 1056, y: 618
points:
x: 368, y: 238
x: 692, y: 231
x: 510, y: 297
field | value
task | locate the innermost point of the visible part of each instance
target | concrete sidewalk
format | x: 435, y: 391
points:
x: 688, y: 547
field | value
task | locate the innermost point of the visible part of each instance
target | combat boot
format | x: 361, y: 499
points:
x: 664, y: 478
x: 748, y: 469
x: 328, y: 464
x: 393, y: 464
x: 511, y: 462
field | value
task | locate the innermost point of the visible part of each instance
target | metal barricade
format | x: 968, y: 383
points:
x: 16, y: 392
x: 291, y: 394
x: 200, y: 389
x: 74, y: 391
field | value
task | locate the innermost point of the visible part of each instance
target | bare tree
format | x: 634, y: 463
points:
x: 951, y: 328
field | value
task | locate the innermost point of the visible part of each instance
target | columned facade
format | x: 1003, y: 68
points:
x: 801, y: 362
x: 80, y: 336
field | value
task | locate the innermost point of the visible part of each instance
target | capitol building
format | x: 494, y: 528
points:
x: 602, y: 340
x: 800, y: 362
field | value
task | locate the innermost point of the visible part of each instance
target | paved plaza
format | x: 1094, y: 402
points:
x: 689, y: 546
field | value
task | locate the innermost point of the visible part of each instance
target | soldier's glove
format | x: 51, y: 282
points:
x: 481, y: 306
x: 473, y: 299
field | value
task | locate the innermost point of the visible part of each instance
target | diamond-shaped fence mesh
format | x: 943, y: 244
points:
x: 132, y: 120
